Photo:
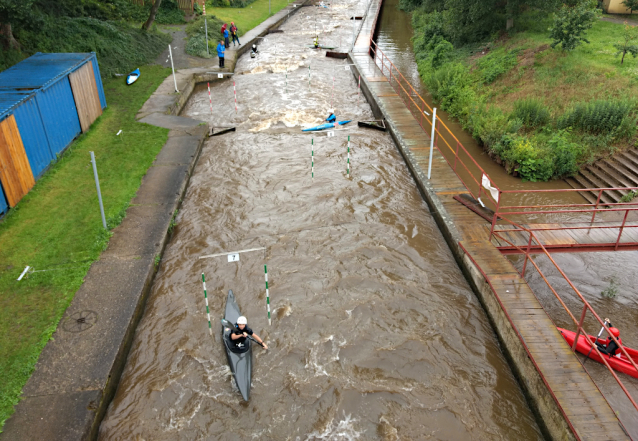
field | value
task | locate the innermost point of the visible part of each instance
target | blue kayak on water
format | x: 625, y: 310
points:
x: 133, y: 76
x: 326, y: 126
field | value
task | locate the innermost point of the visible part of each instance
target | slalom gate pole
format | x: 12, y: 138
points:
x: 308, y: 77
x: 210, y: 328
x: 312, y: 158
x: 286, y: 89
x: 267, y: 294
x: 206, y: 30
x: 348, y: 163
x: 210, y: 99
x: 235, y: 92
x: 170, y: 53
x: 359, y: 92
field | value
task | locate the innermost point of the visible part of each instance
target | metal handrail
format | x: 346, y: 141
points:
x: 586, y: 306
x: 394, y: 74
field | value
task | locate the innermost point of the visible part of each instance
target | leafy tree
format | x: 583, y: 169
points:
x: 151, y: 18
x: 631, y: 5
x: 628, y: 45
x: 571, y: 23
x: 14, y: 13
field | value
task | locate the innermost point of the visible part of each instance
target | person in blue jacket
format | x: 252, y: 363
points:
x: 220, y: 53
x: 226, y: 34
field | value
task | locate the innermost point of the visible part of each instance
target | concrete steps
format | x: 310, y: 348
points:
x: 621, y: 170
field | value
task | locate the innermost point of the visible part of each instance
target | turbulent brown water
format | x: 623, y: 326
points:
x: 375, y: 332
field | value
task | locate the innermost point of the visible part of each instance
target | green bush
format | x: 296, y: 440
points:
x: 531, y: 162
x: 168, y: 13
x: 195, y: 30
x: 531, y: 112
x: 452, y: 87
x: 600, y: 117
x: 565, y: 154
x: 495, y: 64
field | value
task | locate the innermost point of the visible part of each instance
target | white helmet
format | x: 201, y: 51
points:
x: 242, y: 320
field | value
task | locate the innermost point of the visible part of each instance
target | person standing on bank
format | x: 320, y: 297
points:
x: 242, y: 331
x: 220, y: 53
x: 233, y: 33
x: 226, y: 40
x: 224, y: 26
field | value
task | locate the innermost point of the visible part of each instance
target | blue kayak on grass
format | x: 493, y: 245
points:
x: 133, y: 76
x: 326, y: 126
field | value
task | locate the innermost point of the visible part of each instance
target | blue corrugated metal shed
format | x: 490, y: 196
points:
x: 59, y: 114
x: 34, y: 138
x: 4, y: 206
x: 41, y: 69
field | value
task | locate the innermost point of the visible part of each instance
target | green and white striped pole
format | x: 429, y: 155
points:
x: 267, y: 294
x: 312, y: 159
x: 348, y: 163
x: 210, y: 328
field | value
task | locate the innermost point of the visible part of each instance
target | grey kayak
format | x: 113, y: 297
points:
x: 240, y: 360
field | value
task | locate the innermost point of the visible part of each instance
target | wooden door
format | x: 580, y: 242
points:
x: 85, y: 94
x: 15, y: 171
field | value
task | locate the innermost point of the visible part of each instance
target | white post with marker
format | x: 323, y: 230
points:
x: 206, y: 31
x: 210, y: 328
x: 99, y: 192
x: 431, y: 142
x: 267, y: 293
x: 170, y: 53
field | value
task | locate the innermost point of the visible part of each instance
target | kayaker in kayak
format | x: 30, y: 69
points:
x: 610, y: 347
x: 242, y: 331
x: 316, y: 42
x: 332, y: 117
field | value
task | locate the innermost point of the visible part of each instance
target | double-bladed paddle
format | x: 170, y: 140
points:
x: 227, y: 324
x: 599, y: 334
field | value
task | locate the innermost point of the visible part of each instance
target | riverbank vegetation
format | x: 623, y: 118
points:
x: 545, y: 96
x: 56, y: 228
x: 110, y: 28
x: 248, y: 17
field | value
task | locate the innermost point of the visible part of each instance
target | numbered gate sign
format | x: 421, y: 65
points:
x: 331, y: 133
x: 220, y: 75
x: 233, y: 257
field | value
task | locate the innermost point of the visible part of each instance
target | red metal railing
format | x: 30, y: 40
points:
x: 464, y: 165
x: 471, y: 174
x: 620, y: 212
x: 586, y: 306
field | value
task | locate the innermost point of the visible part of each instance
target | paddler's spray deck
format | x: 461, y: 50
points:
x: 348, y: 162
x: 267, y: 294
x: 210, y: 328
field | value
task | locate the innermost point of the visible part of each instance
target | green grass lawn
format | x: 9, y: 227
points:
x: 57, y: 230
x: 591, y: 71
x: 247, y: 18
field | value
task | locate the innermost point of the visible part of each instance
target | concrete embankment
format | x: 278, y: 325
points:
x: 80, y: 367
x: 567, y: 403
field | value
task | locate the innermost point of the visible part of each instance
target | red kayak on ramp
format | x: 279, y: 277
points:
x: 618, y: 362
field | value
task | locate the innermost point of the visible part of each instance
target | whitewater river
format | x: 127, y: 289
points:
x: 375, y: 332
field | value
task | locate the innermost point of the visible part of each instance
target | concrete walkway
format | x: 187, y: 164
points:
x: 79, y: 369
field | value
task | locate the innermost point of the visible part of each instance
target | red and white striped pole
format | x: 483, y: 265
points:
x: 210, y: 99
x: 235, y: 92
